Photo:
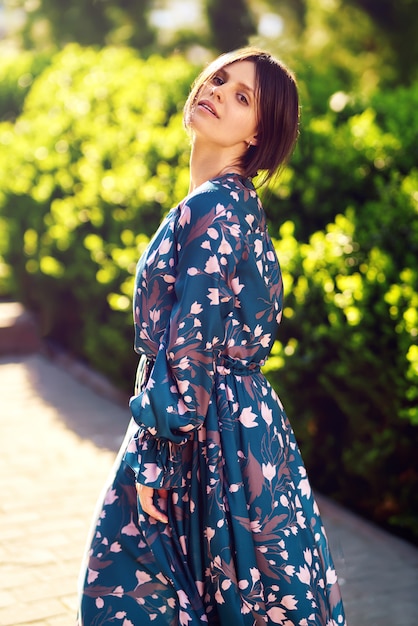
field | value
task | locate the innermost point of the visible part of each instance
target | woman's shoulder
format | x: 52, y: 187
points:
x: 231, y: 193
x: 231, y: 187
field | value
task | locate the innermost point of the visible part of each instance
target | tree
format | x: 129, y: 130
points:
x: 87, y: 22
x: 230, y: 24
x: 397, y: 20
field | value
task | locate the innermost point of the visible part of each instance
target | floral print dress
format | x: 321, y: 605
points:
x: 245, y: 544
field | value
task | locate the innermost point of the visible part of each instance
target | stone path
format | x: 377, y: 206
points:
x: 58, y: 437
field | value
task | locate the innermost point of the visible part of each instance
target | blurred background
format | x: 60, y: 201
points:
x: 93, y: 154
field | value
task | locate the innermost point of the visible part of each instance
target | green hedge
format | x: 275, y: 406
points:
x: 347, y: 363
x: 99, y: 154
x: 86, y: 174
x: 18, y: 70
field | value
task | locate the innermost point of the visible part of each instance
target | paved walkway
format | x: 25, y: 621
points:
x: 58, y: 437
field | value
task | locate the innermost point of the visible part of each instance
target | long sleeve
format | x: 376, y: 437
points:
x: 175, y: 399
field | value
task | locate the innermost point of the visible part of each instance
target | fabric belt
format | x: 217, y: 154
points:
x: 226, y: 365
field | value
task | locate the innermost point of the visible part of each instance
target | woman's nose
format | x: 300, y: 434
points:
x: 216, y: 92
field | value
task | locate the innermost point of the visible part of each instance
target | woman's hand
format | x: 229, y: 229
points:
x: 146, y: 498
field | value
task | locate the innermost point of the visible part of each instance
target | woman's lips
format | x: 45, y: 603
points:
x: 208, y: 106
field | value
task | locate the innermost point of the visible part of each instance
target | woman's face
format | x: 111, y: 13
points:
x: 225, y: 110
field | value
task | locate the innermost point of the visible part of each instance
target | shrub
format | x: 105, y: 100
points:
x: 347, y: 360
x: 87, y: 171
x: 17, y: 73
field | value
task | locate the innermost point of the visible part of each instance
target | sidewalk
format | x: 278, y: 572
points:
x: 58, y: 438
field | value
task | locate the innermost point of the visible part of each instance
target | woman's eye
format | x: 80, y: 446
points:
x: 242, y: 98
x: 217, y: 80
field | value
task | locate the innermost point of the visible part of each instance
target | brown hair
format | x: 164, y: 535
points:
x: 277, y: 109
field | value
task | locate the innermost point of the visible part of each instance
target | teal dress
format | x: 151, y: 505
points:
x: 245, y: 543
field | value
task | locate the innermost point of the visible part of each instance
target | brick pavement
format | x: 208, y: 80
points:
x: 58, y: 438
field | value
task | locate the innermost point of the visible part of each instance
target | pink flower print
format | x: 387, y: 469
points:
x: 185, y: 215
x: 258, y: 247
x: 269, y: 471
x: 91, y: 575
x: 237, y: 287
x: 308, y: 556
x: 265, y: 340
x: 212, y: 265
x: 276, y: 614
x: 181, y: 407
x: 224, y: 247
x: 213, y: 233
x: 183, y: 385
x: 142, y: 577
x: 111, y: 497
x: 255, y: 526
x: 289, y: 602
x: 226, y: 584
x: 210, y: 532
x: 331, y: 576
x: 266, y: 413
x: 184, y: 618
x: 235, y: 231
x: 219, y: 597
x: 183, y: 599
x: 150, y: 473
x: 118, y: 591
x: 305, y: 487
x: 164, y: 246
x: 130, y: 529
x: 213, y: 296
x: 155, y: 315
x: 99, y: 603
x: 304, y: 575
x: 255, y: 574
x: 248, y: 418
x: 196, y: 308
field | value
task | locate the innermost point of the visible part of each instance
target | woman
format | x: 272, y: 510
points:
x: 210, y: 517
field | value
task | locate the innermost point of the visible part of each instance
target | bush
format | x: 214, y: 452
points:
x: 347, y: 361
x: 17, y: 73
x: 87, y: 171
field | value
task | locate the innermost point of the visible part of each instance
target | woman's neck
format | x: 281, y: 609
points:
x: 208, y: 164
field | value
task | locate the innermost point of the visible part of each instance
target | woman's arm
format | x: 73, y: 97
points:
x: 176, y: 398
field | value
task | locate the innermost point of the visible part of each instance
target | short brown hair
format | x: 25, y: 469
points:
x: 277, y: 109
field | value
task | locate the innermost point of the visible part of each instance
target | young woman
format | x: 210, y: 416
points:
x: 209, y: 518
